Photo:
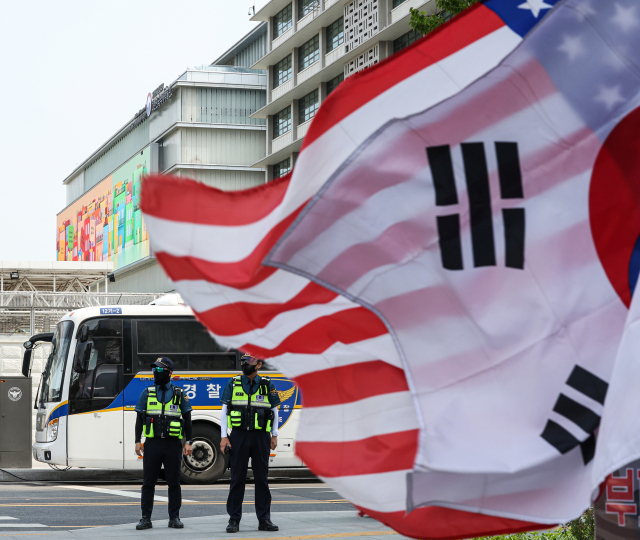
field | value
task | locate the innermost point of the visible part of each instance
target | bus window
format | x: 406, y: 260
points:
x: 54, y: 371
x: 103, y: 327
x: 156, y: 337
x: 212, y: 362
x: 185, y: 341
x: 101, y: 375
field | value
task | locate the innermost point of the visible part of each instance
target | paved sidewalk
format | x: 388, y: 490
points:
x: 293, y: 526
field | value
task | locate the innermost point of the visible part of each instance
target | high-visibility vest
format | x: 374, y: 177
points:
x: 250, y: 412
x: 163, y: 419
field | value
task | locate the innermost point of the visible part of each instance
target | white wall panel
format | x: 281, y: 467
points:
x: 164, y: 117
x: 222, y: 105
x: 150, y: 278
x: 170, y: 153
x: 126, y: 147
x: 222, y: 146
x: 225, y: 180
x: 252, y: 53
x: 75, y: 187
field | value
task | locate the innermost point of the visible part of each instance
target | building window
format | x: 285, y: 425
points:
x: 396, y: 3
x: 282, y: 122
x: 335, y: 34
x: 282, y: 168
x: 307, y: 6
x: 333, y: 83
x: 282, y: 21
x: 406, y: 40
x: 309, y: 53
x: 282, y: 71
x: 307, y: 106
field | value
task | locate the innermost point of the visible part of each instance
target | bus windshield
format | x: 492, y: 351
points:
x: 54, y: 371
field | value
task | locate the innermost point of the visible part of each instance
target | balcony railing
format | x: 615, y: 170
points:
x: 281, y: 90
x: 308, y: 72
x: 281, y: 142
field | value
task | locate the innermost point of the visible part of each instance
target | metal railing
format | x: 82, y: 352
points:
x: 31, y: 312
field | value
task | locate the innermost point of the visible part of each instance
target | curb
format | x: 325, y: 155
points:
x: 119, y: 475
x: 72, y: 475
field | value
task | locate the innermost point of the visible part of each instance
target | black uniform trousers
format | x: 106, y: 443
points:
x: 158, y: 452
x: 257, y: 446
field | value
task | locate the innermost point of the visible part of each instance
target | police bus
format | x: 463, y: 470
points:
x: 99, y: 366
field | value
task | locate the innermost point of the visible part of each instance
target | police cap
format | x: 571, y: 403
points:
x: 248, y: 359
x: 165, y: 362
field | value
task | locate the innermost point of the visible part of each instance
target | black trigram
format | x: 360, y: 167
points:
x: 594, y: 387
x: 477, y: 178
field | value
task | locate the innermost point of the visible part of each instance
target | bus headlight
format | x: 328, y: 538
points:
x: 52, y: 430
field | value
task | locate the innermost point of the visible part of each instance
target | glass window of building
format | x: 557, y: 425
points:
x: 282, y: 71
x: 309, y: 53
x: 282, y: 168
x: 335, y: 34
x: 282, y: 21
x: 282, y: 122
x: 307, y: 106
x: 307, y: 6
x: 333, y: 83
x: 396, y: 3
x: 405, y: 40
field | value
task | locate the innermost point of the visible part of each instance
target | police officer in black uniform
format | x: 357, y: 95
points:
x: 250, y: 409
x: 159, y: 409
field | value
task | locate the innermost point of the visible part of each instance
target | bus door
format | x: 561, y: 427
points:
x: 96, y: 417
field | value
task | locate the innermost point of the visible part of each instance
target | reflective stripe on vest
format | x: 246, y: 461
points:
x: 154, y: 413
x: 250, y: 412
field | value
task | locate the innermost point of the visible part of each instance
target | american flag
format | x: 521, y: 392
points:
x: 399, y: 375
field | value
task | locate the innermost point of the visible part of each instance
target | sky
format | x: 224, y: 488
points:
x: 73, y: 72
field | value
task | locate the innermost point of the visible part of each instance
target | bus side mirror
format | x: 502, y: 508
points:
x: 26, y: 362
x: 83, y: 357
x: 84, y: 333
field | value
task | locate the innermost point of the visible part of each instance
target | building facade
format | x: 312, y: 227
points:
x: 201, y: 126
x: 311, y: 47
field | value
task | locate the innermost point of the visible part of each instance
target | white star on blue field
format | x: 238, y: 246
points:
x: 597, y: 77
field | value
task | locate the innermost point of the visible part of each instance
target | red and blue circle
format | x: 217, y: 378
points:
x: 614, y: 206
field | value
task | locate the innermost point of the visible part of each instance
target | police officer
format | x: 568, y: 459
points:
x: 250, y: 409
x: 159, y: 409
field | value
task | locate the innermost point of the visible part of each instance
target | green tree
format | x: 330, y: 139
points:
x: 583, y: 528
x: 423, y: 23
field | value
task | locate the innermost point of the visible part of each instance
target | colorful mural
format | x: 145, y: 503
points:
x: 106, y: 224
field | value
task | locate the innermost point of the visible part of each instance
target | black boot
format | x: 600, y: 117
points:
x: 233, y: 527
x: 266, y: 525
x: 175, y: 523
x: 145, y: 523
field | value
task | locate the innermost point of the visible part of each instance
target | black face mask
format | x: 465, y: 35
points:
x: 161, y: 379
x: 248, y: 369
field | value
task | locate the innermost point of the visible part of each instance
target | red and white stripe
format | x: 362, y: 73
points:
x: 359, y: 428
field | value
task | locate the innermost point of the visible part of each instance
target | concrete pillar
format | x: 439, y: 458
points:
x: 269, y: 34
x: 269, y: 133
x: 322, y: 45
x: 268, y: 174
x: 293, y: 157
x: 294, y: 15
x: 269, y: 83
x: 294, y: 66
x: 384, y: 13
x: 322, y: 91
x: 294, y: 119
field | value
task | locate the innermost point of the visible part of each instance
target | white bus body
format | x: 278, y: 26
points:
x: 87, y: 395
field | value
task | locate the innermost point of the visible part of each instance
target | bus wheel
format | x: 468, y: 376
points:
x: 207, y: 464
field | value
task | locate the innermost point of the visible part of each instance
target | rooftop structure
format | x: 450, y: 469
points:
x: 312, y: 46
x: 53, y: 276
x: 199, y: 126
